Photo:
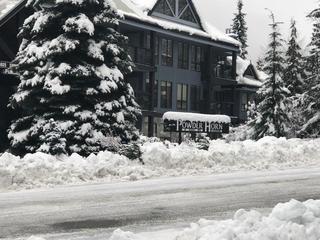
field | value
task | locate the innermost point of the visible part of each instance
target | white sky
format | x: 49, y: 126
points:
x: 220, y: 14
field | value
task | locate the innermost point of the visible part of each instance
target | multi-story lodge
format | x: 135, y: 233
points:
x: 182, y: 63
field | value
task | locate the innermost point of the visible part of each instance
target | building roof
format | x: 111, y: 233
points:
x: 138, y: 10
x: 242, y: 66
x: 9, y: 8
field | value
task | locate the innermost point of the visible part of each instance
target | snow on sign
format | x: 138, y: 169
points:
x: 194, y: 122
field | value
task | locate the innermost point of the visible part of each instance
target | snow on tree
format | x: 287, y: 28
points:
x: 311, y: 98
x: 72, y: 92
x: 294, y: 73
x: 271, y: 117
x: 239, y: 29
x: 260, y: 64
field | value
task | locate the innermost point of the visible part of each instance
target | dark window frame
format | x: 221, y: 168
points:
x: 166, y: 94
x: 182, y: 98
x: 166, y: 52
x: 196, y: 58
x: 183, y: 55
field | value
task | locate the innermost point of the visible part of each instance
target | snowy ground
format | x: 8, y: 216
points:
x: 150, y: 208
x: 161, y: 160
x: 293, y: 220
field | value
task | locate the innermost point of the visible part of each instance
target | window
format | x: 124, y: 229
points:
x: 182, y: 97
x: 166, y: 94
x: 187, y: 15
x: 244, y: 102
x: 181, y: 11
x: 196, y: 58
x: 155, y: 90
x: 166, y: 7
x: 195, y: 97
x: 249, y: 72
x: 155, y: 94
x: 183, y: 55
x: 167, y: 52
x: 182, y: 5
x: 156, y: 51
x: 223, y: 68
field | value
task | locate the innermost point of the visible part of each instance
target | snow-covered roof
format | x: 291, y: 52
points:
x: 262, y: 75
x: 7, y: 6
x: 196, y: 117
x: 139, y: 10
x: 242, y: 66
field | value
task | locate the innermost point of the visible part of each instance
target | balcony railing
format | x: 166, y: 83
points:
x: 141, y: 56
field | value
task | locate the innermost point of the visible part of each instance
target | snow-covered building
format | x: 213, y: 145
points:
x: 183, y: 63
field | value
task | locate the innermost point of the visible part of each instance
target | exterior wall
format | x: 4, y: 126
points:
x: 176, y: 75
x: 221, y: 96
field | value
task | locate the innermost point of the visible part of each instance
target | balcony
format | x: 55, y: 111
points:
x: 142, y: 57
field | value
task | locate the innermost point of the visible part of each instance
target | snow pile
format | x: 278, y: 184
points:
x: 160, y: 159
x: 39, y: 169
x: 292, y: 220
x: 267, y: 153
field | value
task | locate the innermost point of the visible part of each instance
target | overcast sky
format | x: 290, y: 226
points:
x: 219, y: 12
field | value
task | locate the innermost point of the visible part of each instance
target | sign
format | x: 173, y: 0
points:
x: 5, y: 67
x: 195, y: 126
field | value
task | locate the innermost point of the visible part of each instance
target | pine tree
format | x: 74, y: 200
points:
x: 260, y: 64
x: 271, y: 118
x: 311, y: 99
x: 239, y: 28
x: 294, y: 72
x: 71, y: 64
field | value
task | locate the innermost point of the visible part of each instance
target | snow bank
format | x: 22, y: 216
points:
x: 161, y: 159
x: 40, y: 170
x: 293, y: 220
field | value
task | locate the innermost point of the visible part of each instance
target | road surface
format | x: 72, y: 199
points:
x: 81, y: 212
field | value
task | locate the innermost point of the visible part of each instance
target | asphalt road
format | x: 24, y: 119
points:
x: 86, y: 210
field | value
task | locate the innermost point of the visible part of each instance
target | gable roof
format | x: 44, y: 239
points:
x: 242, y: 66
x: 138, y: 10
x: 190, y: 4
x: 142, y: 9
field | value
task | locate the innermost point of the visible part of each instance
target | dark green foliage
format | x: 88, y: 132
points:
x: 294, y: 73
x: 271, y: 119
x: 239, y: 28
x: 131, y: 151
x: 71, y: 64
x: 311, y: 98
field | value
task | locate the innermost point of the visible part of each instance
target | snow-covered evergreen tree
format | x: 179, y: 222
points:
x: 71, y: 64
x: 239, y: 29
x: 271, y: 117
x: 260, y: 64
x: 311, y: 98
x: 294, y: 73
